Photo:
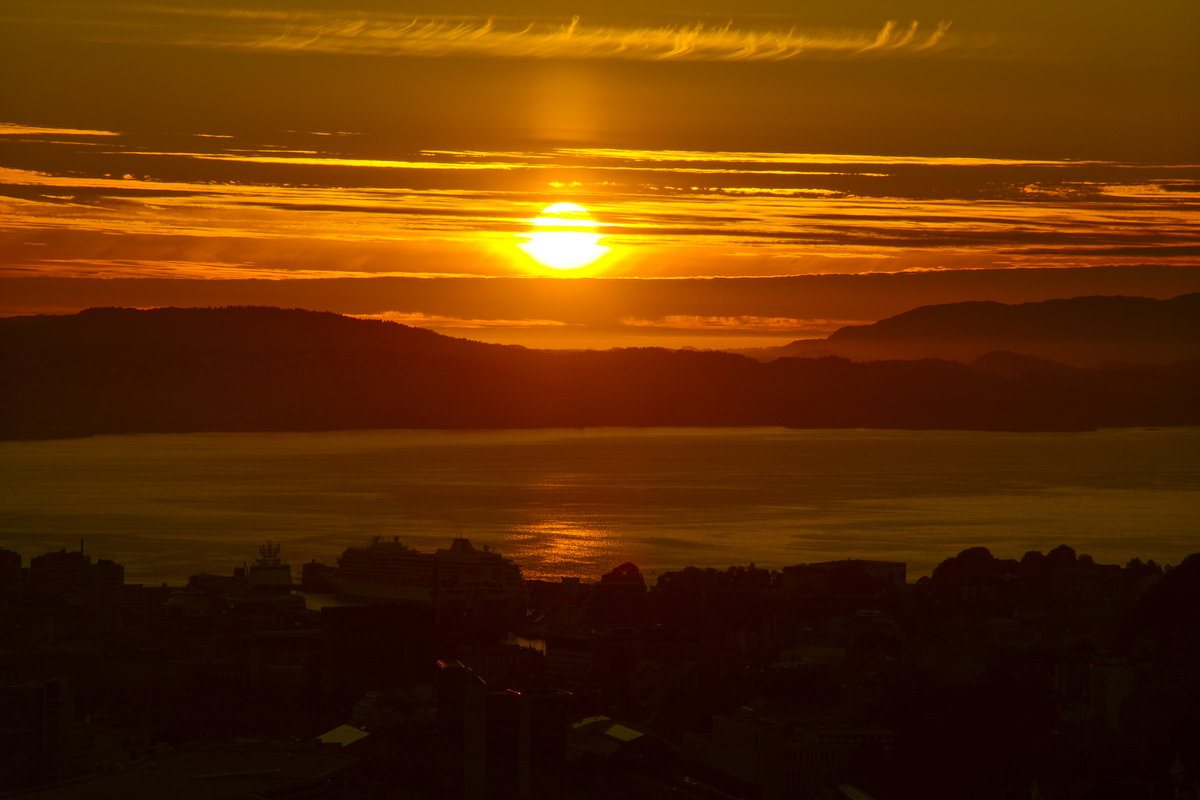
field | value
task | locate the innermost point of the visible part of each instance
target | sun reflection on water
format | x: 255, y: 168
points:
x: 558, y: 547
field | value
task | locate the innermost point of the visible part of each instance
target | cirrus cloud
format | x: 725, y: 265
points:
x: 383, y: 34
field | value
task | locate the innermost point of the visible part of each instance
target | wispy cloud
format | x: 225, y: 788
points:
x: 311, y: 159
x: 382, y: 34
x: 724, y: 157
x: 15, y: 129
x: 745, y: 323
x: 290, y: 210
x: 420, y: 320
x: 893, y: 36
x: 110, y: 268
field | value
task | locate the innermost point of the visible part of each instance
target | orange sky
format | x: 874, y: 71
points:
x: 760, y: 173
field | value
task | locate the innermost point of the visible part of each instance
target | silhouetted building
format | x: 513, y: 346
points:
x: 1111, y: 681
x: 40, y: 740
x: 628, y: 663
x: 314, y: 577
x: 619, y: 598
x: 245, y: 771
x: 375, y: 647
x: 498, y: 664
x: 411, y: 707
x: 282, y: 659
x: 56, y: 574
x: 615, y: 758
x: 10, y: 569
x: 558, y: 605
x: 569, y: 659
x: 462, y: 731
x: 784, y: 757
x: 344, y: 738
x: 526, y: 742
x: 847, y: 577
x: 73, y: 573
x: 106, y: 580
x: 600, y: 739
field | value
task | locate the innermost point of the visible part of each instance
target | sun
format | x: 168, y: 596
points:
x: 564, y: 238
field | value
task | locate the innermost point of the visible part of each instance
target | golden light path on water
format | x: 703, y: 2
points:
x: 580, y: 502
x: 554, y: 547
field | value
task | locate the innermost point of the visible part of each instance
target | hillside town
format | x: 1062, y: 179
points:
x: 1051, y: 677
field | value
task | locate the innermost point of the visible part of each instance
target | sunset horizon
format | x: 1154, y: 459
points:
x: 398, y: 165
x: 689, y: 399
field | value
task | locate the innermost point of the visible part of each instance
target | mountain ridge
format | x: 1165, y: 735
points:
x: 268, y: 369
x: 1081, y: 331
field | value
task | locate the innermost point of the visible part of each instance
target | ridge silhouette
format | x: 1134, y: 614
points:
x: 1081, y: 331
x: 268, y: 369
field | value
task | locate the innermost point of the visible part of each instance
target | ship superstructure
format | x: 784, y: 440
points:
x: 268, y: 573
x: 459, y: 581
x: 389, y: 570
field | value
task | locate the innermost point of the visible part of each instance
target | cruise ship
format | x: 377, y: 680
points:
x: 458, y: 576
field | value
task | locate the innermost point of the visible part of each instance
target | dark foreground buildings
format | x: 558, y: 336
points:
x: 1049, y: 677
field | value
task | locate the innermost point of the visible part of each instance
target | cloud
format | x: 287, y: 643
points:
x: 384, y: 34
x: 741, y: 322
x: 725, y: 157
x: 311, y: 159
x: 112, y: 268
x: 420, y: 320
x: 15, y: 129
x: 282, y: 208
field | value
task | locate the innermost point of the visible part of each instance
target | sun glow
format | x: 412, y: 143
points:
x: 563, y: 238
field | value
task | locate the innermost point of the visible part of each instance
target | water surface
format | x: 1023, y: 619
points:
x: 579, y: 502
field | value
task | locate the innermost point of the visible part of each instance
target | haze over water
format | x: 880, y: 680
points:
x: 579, y: 502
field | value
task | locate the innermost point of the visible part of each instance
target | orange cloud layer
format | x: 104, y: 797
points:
x: 461, y: 212
x: 344, y: 32
x: 742, y: 322
x: 421, y: 320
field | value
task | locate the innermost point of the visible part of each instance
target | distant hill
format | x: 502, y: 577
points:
x: 266, y: 369
x: 1083, y: 331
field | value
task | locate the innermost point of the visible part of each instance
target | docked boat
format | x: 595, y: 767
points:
x: 268, y: 573
x: 389, y: 570
x: 265, y: 582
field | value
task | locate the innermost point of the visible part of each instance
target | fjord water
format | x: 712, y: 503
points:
x: 579, y: 502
